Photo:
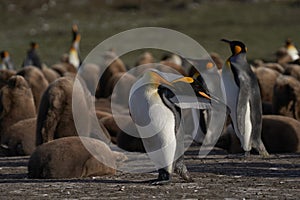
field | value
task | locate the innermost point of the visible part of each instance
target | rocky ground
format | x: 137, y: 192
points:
x: 218, y: 176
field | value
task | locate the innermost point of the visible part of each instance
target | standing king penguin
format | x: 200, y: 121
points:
x: 291, y: 49
x: 32, y: 58
x: 74, y: 52
x: 157, y: 120
x: 243, y: 98
x: 5, y: 62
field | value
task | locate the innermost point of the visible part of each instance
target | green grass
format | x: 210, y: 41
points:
x: 262, y: 26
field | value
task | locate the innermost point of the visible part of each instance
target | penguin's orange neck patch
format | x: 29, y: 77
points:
x: 195, y: 76
x: 237, y: 49
x: 228, y: 63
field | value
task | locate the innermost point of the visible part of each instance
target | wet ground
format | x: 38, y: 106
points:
x: 218, y: 176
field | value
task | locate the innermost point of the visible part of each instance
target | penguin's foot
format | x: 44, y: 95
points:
x: 260, y: 147
x: 247, y: 154
x: 163, y: 178
x: 182, y: 171
x: 239, y: 155
x: 264, y: 154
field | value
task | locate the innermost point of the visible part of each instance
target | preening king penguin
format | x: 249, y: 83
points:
x: 156, y: 112
x: 243, y: 98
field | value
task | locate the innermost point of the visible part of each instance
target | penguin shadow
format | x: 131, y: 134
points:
x: 22, y: 178
x: 247, y: 168
x: 14, y: 161
x: 13, y: 168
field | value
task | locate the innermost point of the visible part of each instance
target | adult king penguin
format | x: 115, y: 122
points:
x: 5, y: 62
x: 74, y: 52
x: 32, y: 58
x: 156, y: 114
x: 243, y: 98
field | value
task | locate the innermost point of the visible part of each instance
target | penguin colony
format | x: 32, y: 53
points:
x: 37, y: 100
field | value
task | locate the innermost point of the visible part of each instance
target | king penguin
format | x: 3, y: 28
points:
x: 243, y: 98
x: 32, y: 58
x: 74, y: 53
x: 291, y: 49
x: 5, y: 61
x: 157, y: 116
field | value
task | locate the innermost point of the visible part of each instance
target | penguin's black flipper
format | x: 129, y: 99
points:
x: 184, y: 102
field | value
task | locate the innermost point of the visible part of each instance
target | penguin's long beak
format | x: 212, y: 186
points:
x: 225, y: 40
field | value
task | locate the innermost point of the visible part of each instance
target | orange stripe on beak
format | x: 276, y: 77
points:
x: 204, y: 95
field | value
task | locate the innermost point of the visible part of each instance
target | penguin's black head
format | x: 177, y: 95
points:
x: 236, y: 47
x: 34, y: 45
x: 288, y: 42
x: 4, y: 54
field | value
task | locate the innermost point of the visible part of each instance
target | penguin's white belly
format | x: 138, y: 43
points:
x: 248, y: 128
x: 74, y: 60
x: 232, y: 95
x: 161, y: 146
x: 158, y: 133
x: 293, y: 52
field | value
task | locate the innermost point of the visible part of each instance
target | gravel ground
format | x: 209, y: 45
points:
x: 218, y: 176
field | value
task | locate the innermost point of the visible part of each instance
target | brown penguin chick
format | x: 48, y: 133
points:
x: 282, y: 56
x: 145, y: 58
x: 167, y: 66
x: 73, y: 157
x: 115, y: 65
x: 36, y: 81
x: 5, y: 74
x: 50, y: 74
x: 121, y: 138
x: 217, y: 60
x: 62, y: 68
x: 55, y: 117
x: 292, y: 70
x: 280, y: 134
x: 104, y: 104
x: 275, y: 66
x: 286, y: 98
x: 16, y: 102
x: 266, y: 79
x: 19, y: 139
x: 120, y: 85
x: 102, y: 114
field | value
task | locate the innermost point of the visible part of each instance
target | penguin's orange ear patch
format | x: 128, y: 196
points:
x: 237, y: 49
x: 6, y: 54
x: 209, y: 65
